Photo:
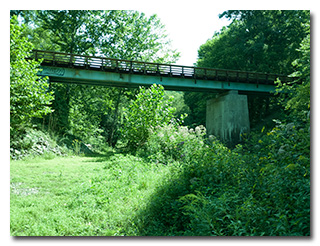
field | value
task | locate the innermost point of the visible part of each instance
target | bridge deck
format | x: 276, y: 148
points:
x: 103, y: 64
x: 154, y: 69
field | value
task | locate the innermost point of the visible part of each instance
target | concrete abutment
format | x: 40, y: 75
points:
x: 227, y: 117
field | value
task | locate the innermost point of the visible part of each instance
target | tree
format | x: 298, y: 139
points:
x: 261, y: 41
x: 298, y: 101
x: 178, y: 103
x: 29, y: 95
x: 268, y: 39
x: 67, y: 29
x: 131, y: 35
x: 117, y: 34
x: 197, y: 101
x: 147, y: 111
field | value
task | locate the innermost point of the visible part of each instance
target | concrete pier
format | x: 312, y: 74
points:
x: 227, y: 117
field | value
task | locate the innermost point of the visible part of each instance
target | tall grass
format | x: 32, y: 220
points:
x: 180, y: 185
x: 79, y: 196
x: 249, y: 191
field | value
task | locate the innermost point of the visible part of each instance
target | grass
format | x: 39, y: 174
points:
x: 203, y: 190
x: 80, y: 196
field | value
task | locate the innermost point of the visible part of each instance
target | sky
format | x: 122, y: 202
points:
x: 189, y: 28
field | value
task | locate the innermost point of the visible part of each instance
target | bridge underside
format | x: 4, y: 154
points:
x: 134, y: 80
x: 227, y: 114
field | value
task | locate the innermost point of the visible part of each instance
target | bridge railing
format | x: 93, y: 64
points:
x: 60, y: 59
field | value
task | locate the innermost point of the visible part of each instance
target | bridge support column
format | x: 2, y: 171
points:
x: 227, y: 117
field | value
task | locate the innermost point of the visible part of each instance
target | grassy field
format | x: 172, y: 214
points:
x: 80, y: 196
x: 200, y: 190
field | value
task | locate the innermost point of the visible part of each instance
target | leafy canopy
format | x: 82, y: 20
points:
x: 298, y: 100
x: 113, y: 33
x: 29, y: 96
x: 262, y: 41
x: 87, y: 111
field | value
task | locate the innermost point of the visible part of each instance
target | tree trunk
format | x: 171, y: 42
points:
x: 112, y: 141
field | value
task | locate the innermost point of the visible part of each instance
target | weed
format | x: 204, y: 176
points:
x: 76, y: 146
x: 210, y: 191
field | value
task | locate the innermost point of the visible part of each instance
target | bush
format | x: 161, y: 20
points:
x: 148, y: 110
x: 254, y: 190
x: 173, y: 142
x: 261, y: 188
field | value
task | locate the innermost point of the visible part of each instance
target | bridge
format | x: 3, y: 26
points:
x: 227, y: 114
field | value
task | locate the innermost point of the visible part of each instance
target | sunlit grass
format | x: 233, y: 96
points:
x: 79, y: 196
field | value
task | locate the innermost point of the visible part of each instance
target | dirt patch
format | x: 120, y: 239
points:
x: 18, y: 190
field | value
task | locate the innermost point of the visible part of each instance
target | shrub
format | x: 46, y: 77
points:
x: 173, y: 142
x: 261, y: 188
x: 148, y: 110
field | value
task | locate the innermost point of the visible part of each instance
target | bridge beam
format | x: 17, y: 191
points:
x: 93, y: 77
x: 227, y: 117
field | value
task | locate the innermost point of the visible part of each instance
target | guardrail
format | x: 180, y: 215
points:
x: 59, y: 59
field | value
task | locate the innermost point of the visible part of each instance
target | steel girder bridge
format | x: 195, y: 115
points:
x: 93, y: 70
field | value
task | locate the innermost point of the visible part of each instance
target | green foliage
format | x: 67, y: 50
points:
x: 115, y: 33
x: 29, y: 96
x: 203, y: 189
x: 173, y: 142
x: 84, y: 121
x: 178, y: 103
x: 66, y: 29
x: 76, y: 146
x: 88, y: 112
x: 263, y: 41
x: 148, y: 110
x: 261, y: 188
x: 197, y: 102
x: 131, y: 35
x: 257, y: 40
x: 298, y: 100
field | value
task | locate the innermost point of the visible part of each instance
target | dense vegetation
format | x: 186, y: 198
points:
x: 160, y: 174
x: 261, y: 41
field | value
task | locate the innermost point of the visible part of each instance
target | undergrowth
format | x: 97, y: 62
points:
x: 261, y: 188
x: 35, y: 142
x: 178, y: 184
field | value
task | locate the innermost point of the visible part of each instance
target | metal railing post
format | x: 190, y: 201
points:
x: 71, y: 62
x: 53, y: 59
x: 86, y: 62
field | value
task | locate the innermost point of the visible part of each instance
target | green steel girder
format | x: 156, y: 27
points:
x: 104, y: 78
